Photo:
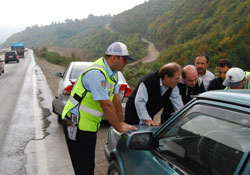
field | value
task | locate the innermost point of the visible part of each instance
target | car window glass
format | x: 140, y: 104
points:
x: 10, y: 53
x: 76, y: 71
x: 66, y: 71
x: 206, y: 140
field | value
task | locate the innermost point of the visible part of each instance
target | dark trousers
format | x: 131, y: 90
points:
x: 82, y: 151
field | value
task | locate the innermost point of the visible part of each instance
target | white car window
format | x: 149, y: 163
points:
x: 77, y: 70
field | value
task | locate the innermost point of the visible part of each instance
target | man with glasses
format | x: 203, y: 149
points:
x: 94, y: 95
x: 190, y: 85
x: 155, y: 91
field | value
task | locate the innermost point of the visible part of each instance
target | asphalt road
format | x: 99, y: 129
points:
x: 31, y: 141
x: 11, y: 145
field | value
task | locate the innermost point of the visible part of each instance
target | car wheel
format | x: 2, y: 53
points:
x: 17, y: 61
x: 3, y: 71
x: 114, y: 168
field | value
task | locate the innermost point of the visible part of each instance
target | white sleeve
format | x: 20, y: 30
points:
x: 141, y: 99
x: 176, y: 99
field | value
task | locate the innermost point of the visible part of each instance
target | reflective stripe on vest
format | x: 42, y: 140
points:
x: 85, y: 108
x: 91, y: 111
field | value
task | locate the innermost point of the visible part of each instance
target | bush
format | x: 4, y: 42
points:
x: 54, y: 57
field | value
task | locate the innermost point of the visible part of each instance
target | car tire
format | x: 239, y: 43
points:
x: 2, y: 71
x: 114, y: 168
x: 17, y: 61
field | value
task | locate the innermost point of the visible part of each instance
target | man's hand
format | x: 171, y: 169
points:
x: 111, y: 115
x: 125, y: 127
x: 151, y: 123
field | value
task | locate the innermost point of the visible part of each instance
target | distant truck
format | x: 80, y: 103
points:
x: 19, y: 48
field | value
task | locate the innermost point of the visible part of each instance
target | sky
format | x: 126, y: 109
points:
x: 16, y: 15
x: 44, y: 12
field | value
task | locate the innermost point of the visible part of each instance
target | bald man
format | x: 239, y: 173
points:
x: 190, y: 84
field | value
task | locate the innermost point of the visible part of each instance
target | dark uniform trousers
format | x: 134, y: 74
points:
x: 82, y: 151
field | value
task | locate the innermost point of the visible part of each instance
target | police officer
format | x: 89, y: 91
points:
x: 236, y: 78
x: 95, y: 95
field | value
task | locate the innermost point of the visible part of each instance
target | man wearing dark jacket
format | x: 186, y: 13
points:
x: 223, y: 65
x: 155, y: 91
x: 190, y: 85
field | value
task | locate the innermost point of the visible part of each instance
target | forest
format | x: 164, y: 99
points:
x: 179, y: 29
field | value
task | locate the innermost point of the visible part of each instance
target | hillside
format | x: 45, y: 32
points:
x: 182, y: 28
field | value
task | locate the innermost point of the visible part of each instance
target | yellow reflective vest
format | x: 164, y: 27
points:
x: 91, y: 113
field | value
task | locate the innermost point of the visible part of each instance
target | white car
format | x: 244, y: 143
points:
x: 68, y: 79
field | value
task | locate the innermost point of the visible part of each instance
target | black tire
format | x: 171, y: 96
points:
x: 114, y: 168
x: 3, y: 71
x: 17, y: 61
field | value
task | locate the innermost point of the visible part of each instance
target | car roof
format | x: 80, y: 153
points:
x: 10, y: 51
x: 240, y: 97
x: 81, y: 62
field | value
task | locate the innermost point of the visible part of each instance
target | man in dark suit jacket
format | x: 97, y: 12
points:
x: 190, y: 85
x: 155, y: 91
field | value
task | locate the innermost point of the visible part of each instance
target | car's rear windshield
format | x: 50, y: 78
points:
x: 10, y: 53
x: 76, y: 71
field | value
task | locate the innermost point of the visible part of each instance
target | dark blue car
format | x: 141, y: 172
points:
x: 210, y: 136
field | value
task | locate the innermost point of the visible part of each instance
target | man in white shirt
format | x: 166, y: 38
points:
x: 155, y: 91
x: 201, y: 64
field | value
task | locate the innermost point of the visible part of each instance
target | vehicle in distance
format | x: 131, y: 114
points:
x: 19, y: 48
x: 1, y: 67
x: 68, y: 79
x: 209, y: 136
x: 11, y: 56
